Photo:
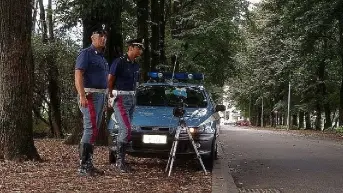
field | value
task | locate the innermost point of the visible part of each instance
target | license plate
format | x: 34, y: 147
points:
x: 156, y: 139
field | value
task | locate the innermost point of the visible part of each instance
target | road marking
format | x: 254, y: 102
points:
x: 243, y: 190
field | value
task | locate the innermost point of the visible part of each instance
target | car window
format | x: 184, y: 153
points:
x: 156, y: 96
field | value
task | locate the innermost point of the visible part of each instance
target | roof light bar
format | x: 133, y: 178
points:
x: 178, y: 76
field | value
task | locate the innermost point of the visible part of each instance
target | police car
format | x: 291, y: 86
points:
x: 153, y: 123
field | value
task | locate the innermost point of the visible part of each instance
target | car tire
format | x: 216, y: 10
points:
x: 209, y: 160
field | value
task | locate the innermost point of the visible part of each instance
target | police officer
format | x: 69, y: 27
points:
x: 91, y: 73
x: 122, y: 82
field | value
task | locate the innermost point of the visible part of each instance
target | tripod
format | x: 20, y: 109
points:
x: 182, y: 127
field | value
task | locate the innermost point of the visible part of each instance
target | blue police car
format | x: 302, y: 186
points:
x: 154, y: 126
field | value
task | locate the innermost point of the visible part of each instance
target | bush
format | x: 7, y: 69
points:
x: 339, y: 129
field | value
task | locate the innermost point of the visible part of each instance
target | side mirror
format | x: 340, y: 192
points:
x: 220, y: 108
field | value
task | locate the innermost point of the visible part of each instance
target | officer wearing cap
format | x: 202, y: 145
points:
x: 91, y: 73
x: 122, y: 82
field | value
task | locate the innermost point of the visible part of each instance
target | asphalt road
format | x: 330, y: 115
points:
x: 276, y: 161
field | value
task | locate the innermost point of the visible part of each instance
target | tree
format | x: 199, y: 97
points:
x: 143, y: 31
x: 16, y: 81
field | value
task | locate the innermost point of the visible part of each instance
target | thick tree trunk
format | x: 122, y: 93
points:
x: 301, y: 119
x: 143, y: 31
x: 16, y: 81
x: 155, y: 55
x: 340, y: 23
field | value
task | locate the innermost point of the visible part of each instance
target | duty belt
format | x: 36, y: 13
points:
x: 96, y: 90
x: 123, y: 92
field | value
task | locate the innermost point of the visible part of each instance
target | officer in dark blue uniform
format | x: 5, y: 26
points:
x: 122, y: 82
x: 91, y: 73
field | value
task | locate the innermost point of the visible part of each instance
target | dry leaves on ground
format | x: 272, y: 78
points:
x: 58, y: 173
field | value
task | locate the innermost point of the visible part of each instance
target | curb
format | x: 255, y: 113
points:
x: 222, y: 180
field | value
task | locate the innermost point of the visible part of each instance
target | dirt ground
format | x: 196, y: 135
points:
x: 58, y: 173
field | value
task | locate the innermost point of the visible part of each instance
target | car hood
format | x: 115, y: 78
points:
x: 163, y: 116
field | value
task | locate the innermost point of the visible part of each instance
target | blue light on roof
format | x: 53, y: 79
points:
x: 153, y: 74
x: 177, y: 76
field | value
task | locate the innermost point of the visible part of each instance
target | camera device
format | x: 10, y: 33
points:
x: 179, y: 112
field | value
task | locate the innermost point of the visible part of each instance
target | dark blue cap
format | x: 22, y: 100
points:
x: 136, y: 42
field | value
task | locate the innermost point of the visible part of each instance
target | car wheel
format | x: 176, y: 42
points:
x: 209, y: 160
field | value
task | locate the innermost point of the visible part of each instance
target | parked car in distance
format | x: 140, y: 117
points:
x: 242, y: 123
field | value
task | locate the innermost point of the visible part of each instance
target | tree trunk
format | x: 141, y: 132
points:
x: 50, y: 22
x: 43, y: 21
x: 87, y: 24
x: 301, y: 119
x: 55, y: 98
x: 143, y: 31
x: 280, y: 118
x: 308, y: 121
x: 273, y: 119
x: 16, y: 81
x: 53, y: 78
x: 154, y: 34
x: 318, y: 121
x: 340, y: 23
x: 284, y: 118
x: 162, y: 27
x: 175, y: 9
x: 294, y: 120
x: 328, y: 121
x: 34, y: 16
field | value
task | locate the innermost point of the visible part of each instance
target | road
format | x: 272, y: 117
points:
x: 277, y: 161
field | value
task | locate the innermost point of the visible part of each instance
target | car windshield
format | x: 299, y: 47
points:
x: 158, y: 95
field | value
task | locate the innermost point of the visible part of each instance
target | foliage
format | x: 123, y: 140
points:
x: 292, y: 42
x: 65, y: 52
x: 339, y: 129
x: 207, y: 38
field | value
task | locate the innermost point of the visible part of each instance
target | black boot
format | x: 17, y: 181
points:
x: 113, y: 150
x: 93, y: 170
x: 84, y: 156
x: 121, y: 166
x: 86, y: 161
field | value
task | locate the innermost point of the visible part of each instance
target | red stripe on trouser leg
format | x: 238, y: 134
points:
x: 125, y: 117
x: 92, y: 113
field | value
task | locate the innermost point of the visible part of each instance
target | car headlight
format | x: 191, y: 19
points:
x: 206, y: 128
x: 134, y: 127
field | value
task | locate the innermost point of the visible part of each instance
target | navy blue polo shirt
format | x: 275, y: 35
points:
x: 126, y: 74
x: 95, y: 68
